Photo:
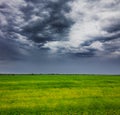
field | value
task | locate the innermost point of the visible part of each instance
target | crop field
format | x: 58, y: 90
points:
x: 59, y: 94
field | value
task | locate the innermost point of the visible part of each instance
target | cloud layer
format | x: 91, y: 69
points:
x: 81, y: 27
x: 95, y: 30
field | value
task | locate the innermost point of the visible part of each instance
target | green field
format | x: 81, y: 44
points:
x: 59, y: 95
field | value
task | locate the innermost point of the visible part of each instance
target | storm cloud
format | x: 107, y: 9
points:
x: 59, y: 28
x: 92, y: 25
x: 62, y: 26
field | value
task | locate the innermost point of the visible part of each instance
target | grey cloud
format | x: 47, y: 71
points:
x: 51, y: 23
x: 11, y: 18
x: 114, y: 28
x: 9, y: 51
x: 91, y: 24
x: 30, y: 22
x: 60, y: 36
x: 88, y: 54
x: 61, y: 26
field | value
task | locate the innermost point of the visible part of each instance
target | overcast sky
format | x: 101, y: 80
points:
x: 60, y: 36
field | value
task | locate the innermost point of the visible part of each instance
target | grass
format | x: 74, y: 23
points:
x: 59, y: 95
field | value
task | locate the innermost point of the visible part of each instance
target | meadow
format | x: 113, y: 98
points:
x: 59, y: 94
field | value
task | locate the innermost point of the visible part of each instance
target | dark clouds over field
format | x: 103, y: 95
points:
x: 42, y: 34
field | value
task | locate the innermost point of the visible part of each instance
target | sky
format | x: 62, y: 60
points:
x: 60, y: 36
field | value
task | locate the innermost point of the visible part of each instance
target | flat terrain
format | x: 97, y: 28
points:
x: 59, y: 95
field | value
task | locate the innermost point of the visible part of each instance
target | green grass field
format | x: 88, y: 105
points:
x: 59, y: 95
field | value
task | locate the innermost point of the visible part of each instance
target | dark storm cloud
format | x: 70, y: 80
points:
x: 113, y: 28
x: 50, y: 23
x: 26, y: 23
x: 88, y: 54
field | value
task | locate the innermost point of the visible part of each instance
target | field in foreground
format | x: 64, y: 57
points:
x: 59, y: 95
